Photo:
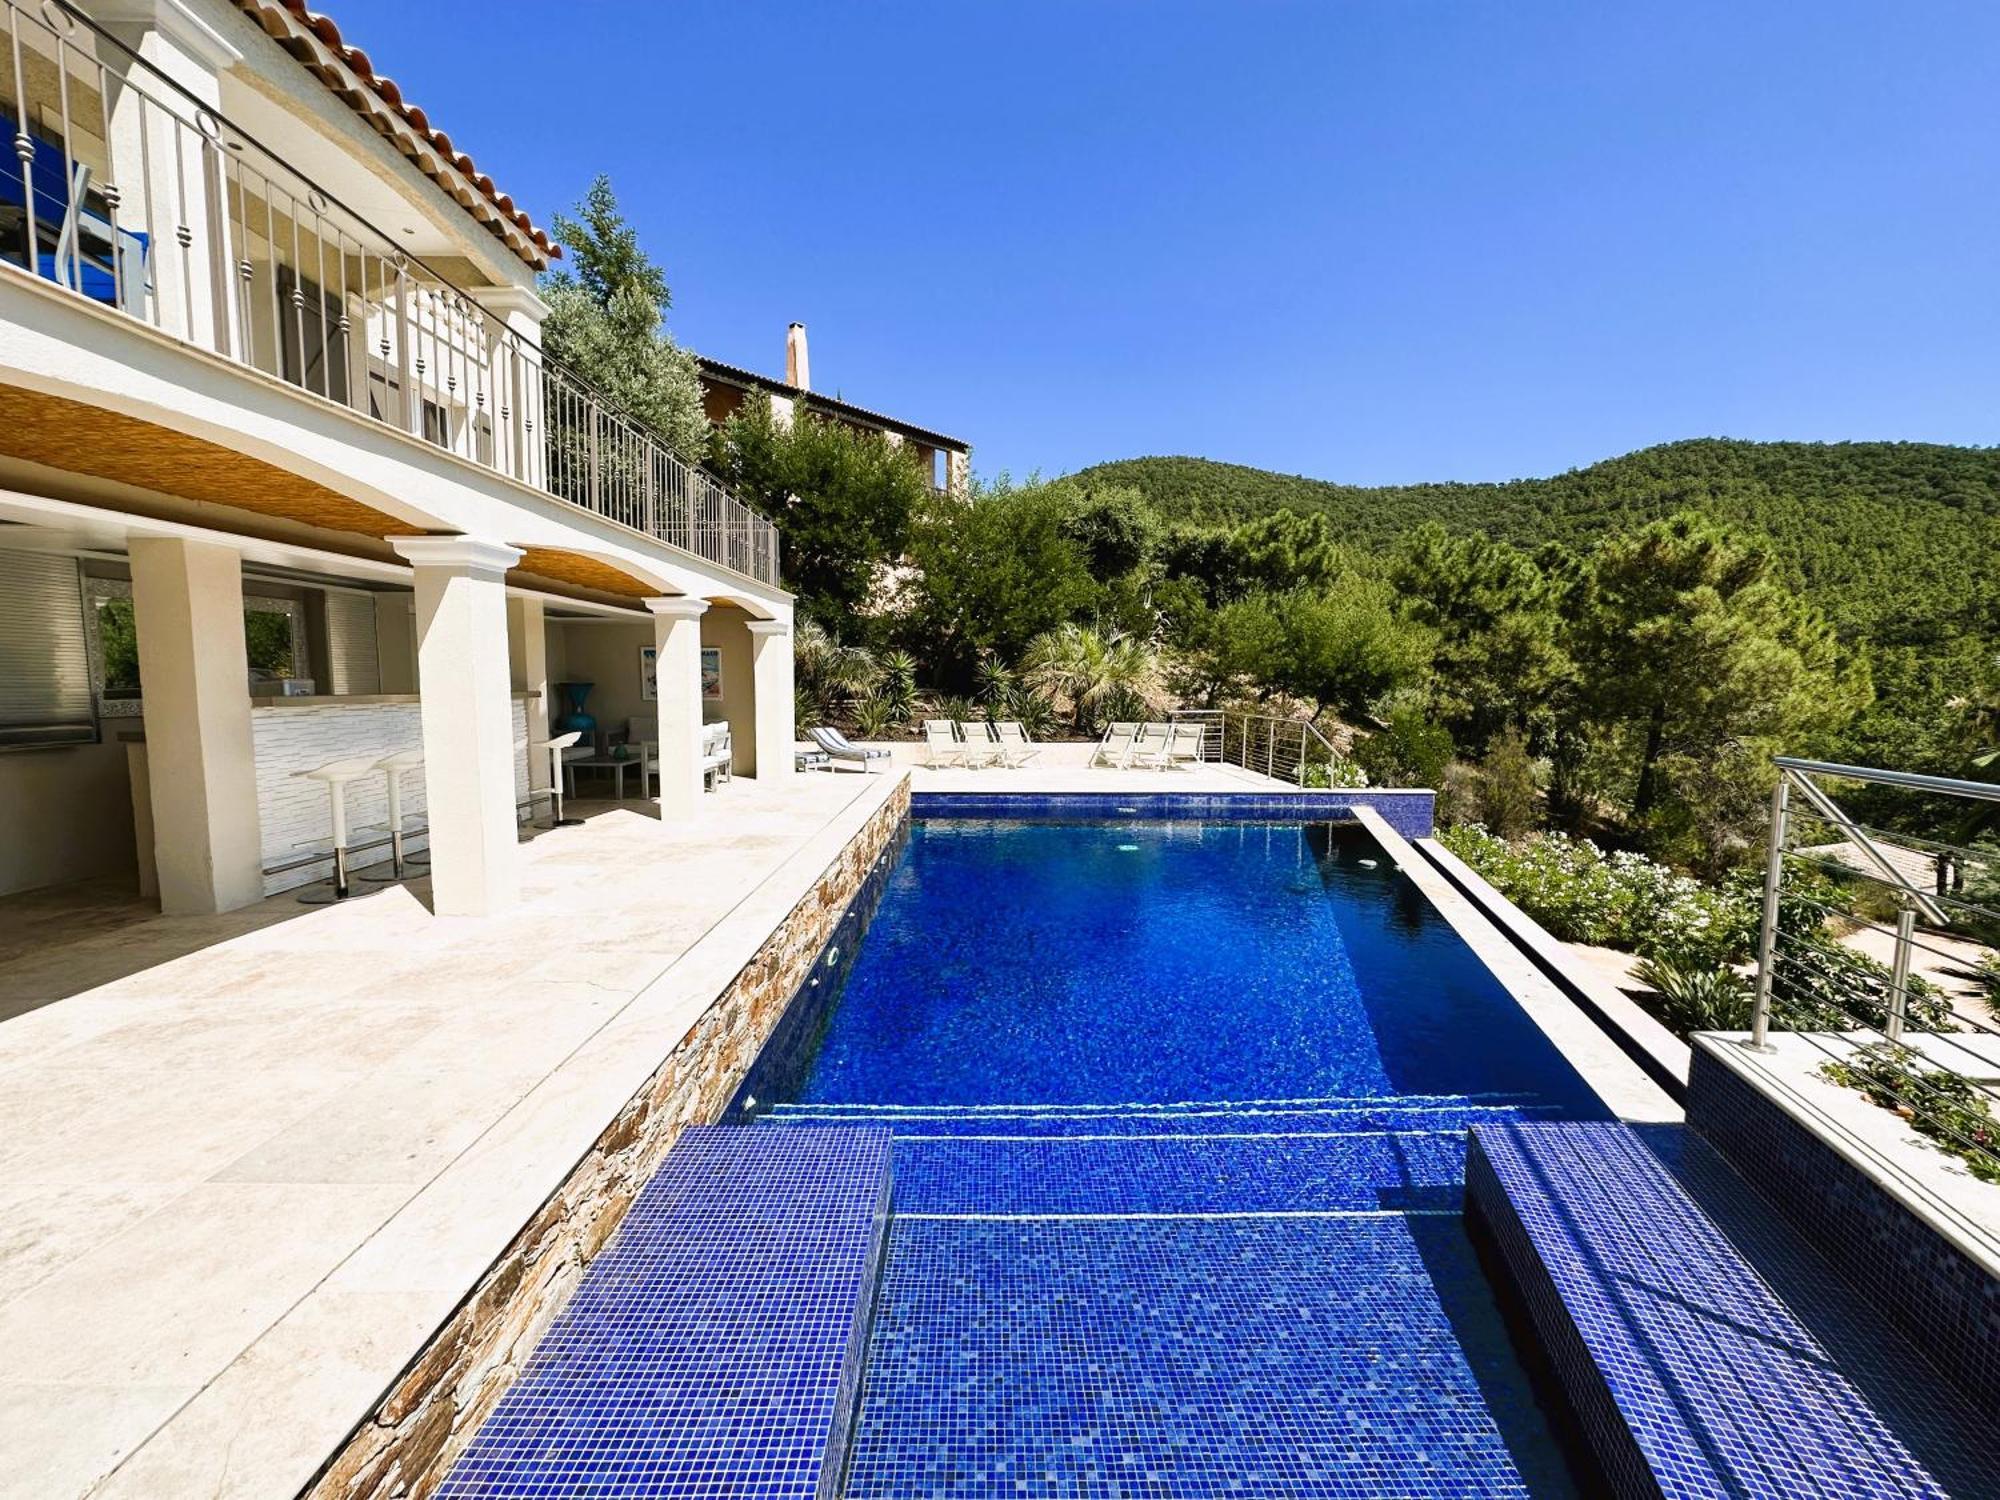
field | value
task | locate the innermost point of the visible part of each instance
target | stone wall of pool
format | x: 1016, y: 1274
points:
x: 428, y: 1416
x: 1945, y: 1301
x: 1408, y: 812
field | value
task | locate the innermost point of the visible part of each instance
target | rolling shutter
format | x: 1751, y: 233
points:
x: 45, y: 696
x: 352, y: 662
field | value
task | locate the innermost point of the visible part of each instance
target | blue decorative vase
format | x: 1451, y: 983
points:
x: 576, y: 718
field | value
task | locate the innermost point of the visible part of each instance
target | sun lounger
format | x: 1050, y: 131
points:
x: 840, y: 748
x: 1150, y: 749
x: 941, y: 746
x: 1183, y: 746
x: 1016, y: 749
x: 978, y: 745
x: 1115, y: 749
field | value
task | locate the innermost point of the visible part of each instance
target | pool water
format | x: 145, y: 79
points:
x: 1179, y: 1114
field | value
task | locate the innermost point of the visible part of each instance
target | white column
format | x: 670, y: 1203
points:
x: 468, y: 722
x: 187, y: 606
x: 957, y: 472
x: 771, y: 697
x: 677, y: 642
x: 528, y: 671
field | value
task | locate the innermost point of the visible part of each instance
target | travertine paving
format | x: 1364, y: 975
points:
x: 240, y: 1187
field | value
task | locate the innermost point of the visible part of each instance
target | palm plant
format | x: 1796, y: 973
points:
x: 829, y: 677
x: 1094, y: 675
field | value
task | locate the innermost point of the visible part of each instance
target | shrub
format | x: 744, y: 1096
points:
x: 1341, y: 773
x: 1940, y: 1104
x: 877, y: 717
x: 1817, y: 985
x: 1698, y: 999
x: 1988, y: 974
x: 1583, y: 895
x: 1505, y: 790
x: 1409, y: 750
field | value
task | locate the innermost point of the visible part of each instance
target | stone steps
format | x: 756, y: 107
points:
x: 715, y: 1346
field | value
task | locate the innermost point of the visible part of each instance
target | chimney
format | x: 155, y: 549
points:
x: 798, y: 368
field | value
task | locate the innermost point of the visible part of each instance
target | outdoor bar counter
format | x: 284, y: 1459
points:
x: 290, y: 735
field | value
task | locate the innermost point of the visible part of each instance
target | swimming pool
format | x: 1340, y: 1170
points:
x: 1179, y: 1114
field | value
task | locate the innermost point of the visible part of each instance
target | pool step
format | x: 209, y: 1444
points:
x: 715, y: 1346
x: 1705, y: 1350
x: 1029, y: 1176
x: 1222, y: 1117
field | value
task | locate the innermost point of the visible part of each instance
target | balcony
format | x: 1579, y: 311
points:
x: 128, y: 192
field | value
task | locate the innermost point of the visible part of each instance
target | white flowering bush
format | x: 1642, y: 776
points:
x: 1583, y: 894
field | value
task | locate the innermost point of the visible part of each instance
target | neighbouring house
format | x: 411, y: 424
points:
x: 286, y: 479
x: 947, y: 460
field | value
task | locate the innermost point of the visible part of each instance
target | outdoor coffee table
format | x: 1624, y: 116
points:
x: 611, y: 763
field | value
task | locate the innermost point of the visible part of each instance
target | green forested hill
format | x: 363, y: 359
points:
x: 1899, y: 543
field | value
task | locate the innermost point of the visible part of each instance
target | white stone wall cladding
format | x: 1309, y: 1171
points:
x: 294, y: 814
x: 407, y: 1444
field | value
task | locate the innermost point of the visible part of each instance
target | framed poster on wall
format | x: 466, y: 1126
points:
x: 711, y: 673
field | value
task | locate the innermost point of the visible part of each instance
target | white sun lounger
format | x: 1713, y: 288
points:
x: 941, y: 746
x: 1183, y: 746
x: 1016, y: 749
x: 1150, y: 749
x: 1115, y: 749
x: 978, y: 745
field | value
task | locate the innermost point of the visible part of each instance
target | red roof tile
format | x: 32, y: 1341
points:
x: 534, y: 246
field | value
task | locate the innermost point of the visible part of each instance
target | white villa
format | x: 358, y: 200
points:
x: 277, y: 440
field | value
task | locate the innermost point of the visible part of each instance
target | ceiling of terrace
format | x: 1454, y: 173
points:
x: 170, y: 475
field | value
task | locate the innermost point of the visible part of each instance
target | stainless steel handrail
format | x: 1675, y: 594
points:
x: 131, y: 193
x: 1981, y: 791
x: 1952, y: 1054
x: 1272, y: 745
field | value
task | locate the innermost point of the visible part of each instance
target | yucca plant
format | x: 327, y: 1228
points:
x: 876, y: 717
x: 1698, y: 999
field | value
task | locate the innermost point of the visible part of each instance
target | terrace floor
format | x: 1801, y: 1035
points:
x: 249, y: 1164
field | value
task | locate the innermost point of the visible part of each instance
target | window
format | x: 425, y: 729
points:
x: 273, y: 634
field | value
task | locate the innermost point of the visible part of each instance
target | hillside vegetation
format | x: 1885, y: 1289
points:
x: 1896, y: 543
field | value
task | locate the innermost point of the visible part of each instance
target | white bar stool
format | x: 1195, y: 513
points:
x: 335, y: 775
x: 392, y: 768
x: 555, y: 747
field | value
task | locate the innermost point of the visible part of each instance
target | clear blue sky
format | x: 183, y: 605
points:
x: 1367, y: 240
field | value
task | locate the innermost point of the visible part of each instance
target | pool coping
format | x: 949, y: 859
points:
x: 1651, y: 1045
x: 1625, y: 1088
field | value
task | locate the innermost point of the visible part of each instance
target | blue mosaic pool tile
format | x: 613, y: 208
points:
x: 1941, y: 1297
x: 1688, y: 1374
x: 1408, y: 812
x: 1185, y: 1174
x: 1321, y: 1358
x: 715, y: 1346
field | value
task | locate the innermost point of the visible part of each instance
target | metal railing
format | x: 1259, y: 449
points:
x: 125, y: 190
x: 1936, y: 1059
x: 1281, y: 748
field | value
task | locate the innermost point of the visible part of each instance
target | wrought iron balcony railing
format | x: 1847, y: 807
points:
x: 124, y: 190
